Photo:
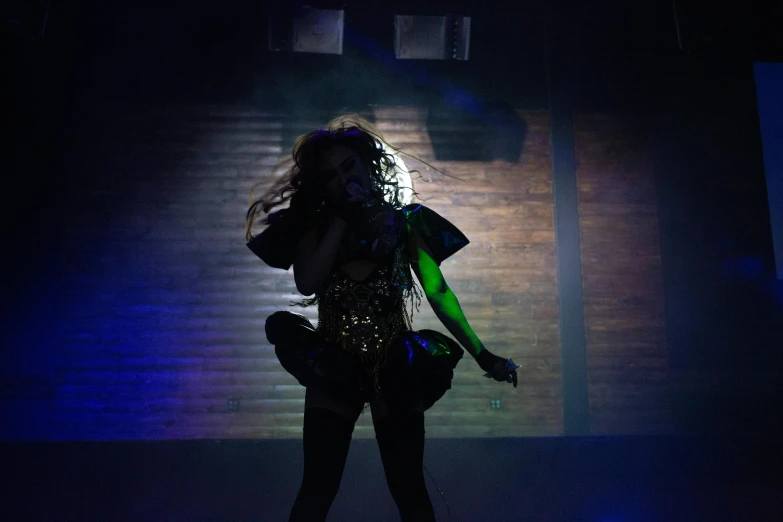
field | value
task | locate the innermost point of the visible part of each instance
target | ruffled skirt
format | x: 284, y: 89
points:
x: 419, y: 364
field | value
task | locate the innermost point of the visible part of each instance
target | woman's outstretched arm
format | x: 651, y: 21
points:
x: 446, y: 307
x: 442, y: 300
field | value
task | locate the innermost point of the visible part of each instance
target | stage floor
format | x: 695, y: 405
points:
x: 601, y: 479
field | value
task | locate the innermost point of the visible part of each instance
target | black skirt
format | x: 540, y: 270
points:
x: 419, y: 364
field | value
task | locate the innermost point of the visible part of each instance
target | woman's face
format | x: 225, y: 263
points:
x: 343, y: 165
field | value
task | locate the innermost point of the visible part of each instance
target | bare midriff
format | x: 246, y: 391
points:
x: 359, y: 269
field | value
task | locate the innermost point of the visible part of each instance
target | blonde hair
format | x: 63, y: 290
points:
x: 382, y: 160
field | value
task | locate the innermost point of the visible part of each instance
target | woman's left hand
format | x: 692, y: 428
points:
x: 498, y: 368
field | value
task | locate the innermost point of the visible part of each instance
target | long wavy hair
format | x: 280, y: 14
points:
x: 301, y: 170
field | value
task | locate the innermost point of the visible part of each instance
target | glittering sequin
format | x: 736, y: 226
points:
x: 364, y: 318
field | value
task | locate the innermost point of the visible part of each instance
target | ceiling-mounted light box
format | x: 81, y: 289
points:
x: 431, y: 37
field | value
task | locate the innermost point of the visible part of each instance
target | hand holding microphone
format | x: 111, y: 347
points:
x: 348, y: 205
x: 498, y: 368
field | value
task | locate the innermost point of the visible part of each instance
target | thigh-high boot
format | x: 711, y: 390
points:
x: 326, y: 437
x: 400, y: 437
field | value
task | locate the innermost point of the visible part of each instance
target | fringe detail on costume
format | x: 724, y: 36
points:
x: 408, y: 290
x: 402, y: 280
x: 398, y: 320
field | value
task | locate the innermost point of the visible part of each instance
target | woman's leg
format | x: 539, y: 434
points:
x: 328, y: 427
x: 400, y: 436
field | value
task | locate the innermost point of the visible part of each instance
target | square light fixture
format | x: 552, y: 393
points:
x: 431, y: 37
x: 307, y: 30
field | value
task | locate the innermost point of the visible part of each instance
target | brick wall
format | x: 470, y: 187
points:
x: 625, y: 323
x: 163, y: 306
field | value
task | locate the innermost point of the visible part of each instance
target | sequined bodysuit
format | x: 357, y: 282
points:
x: 364, y: 317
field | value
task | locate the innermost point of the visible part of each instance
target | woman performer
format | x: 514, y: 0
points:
x: 353, y: 245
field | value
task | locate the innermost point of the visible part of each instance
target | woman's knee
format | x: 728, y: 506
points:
x: 381, y: 408
x: 400, y: 432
